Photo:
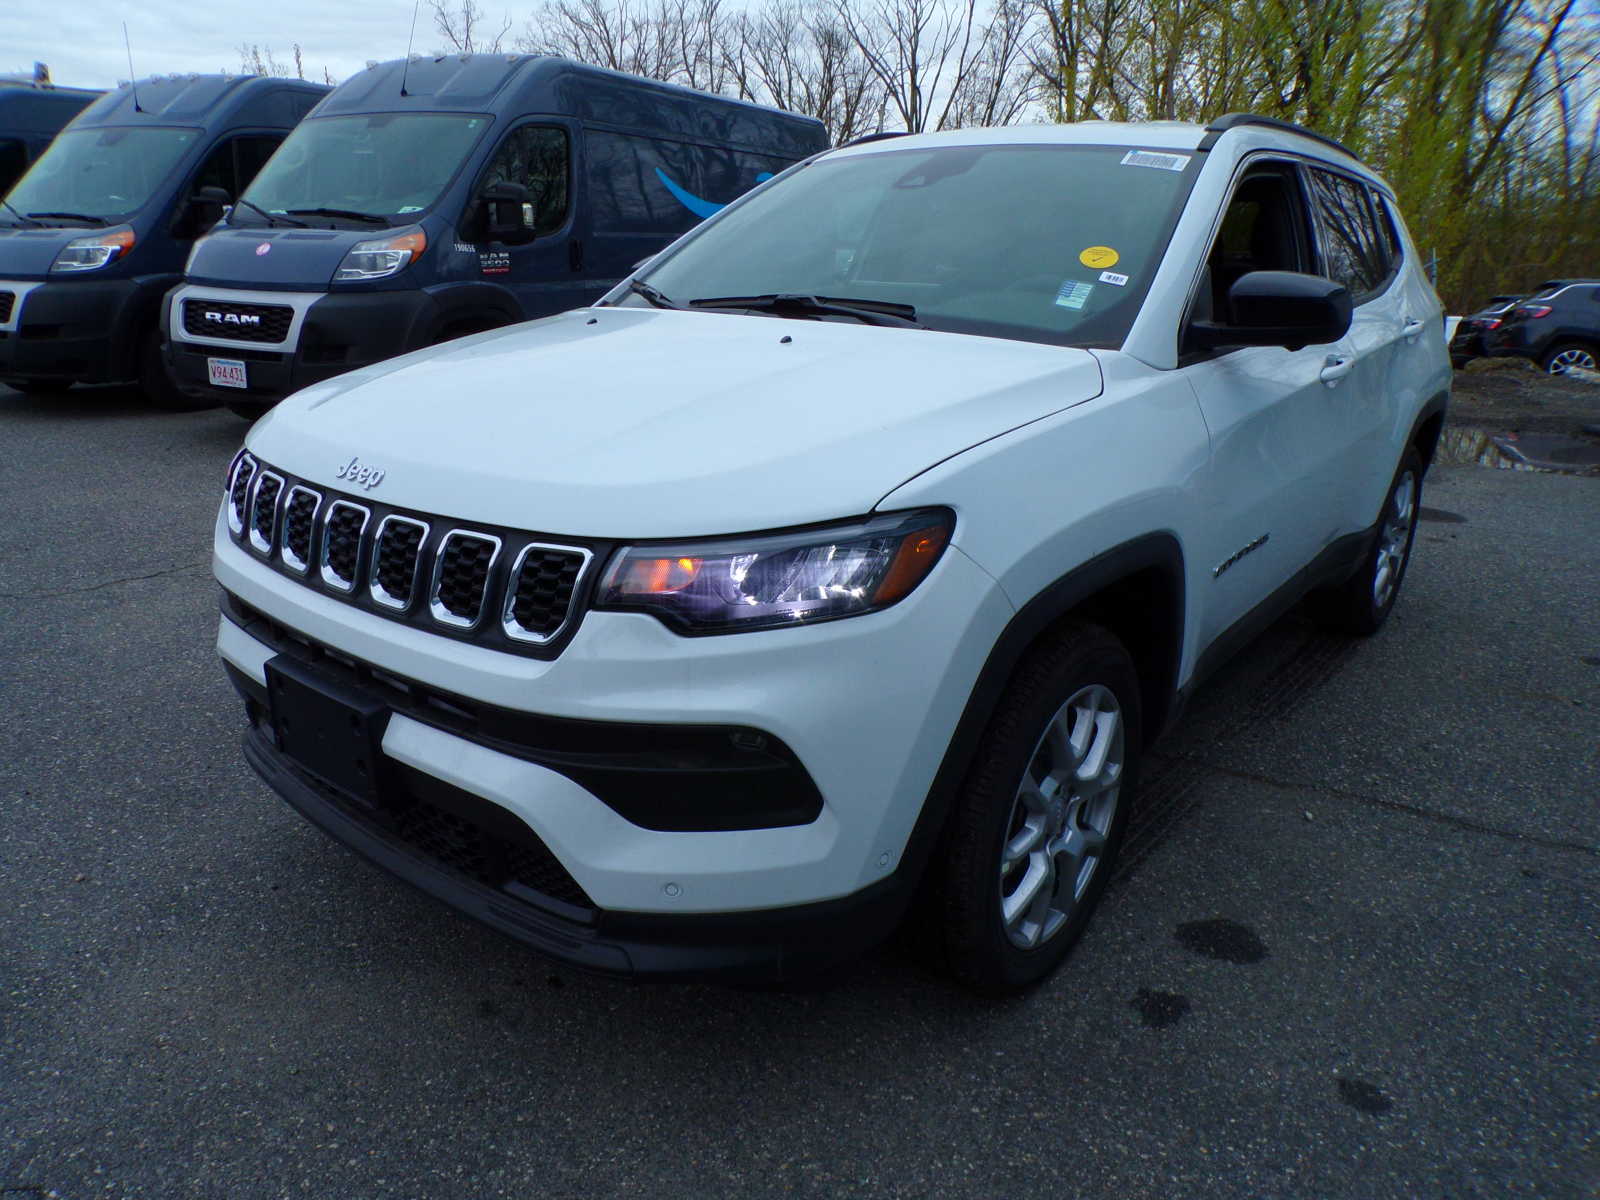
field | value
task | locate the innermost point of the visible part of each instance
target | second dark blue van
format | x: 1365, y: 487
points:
x: 31, y: 114
x: 429, y: 199
x: 96, y: 232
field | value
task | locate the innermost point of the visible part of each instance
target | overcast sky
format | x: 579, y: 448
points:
x: 83, y: 42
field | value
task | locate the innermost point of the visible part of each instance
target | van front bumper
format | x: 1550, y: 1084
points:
x: 79, y: 330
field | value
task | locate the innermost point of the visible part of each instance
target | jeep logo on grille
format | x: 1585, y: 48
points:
x: 367, y: 477
x: 220, y: 318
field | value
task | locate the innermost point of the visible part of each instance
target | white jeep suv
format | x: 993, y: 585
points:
x: 846, y: 557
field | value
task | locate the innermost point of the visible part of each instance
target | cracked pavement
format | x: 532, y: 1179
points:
x: 1354, y: 949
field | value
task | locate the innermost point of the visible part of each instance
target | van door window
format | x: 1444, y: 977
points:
x: 537, y: 157
x: 13, y: 162
x: 1352, y: 251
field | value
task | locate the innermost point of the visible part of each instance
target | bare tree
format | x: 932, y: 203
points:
x: 464, y: 26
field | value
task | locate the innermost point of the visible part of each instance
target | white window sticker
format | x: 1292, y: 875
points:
x: 1074, y: 294
x: 1151, y: 158
x: 1113, y: 279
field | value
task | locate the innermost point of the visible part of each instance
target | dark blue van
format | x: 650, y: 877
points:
x: 31, y: 114
x: 429, y: 199
x: 96, y: 232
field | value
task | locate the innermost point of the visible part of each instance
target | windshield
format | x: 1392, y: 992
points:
x: 1040, y: 243
x: 103, y: 173
x: 384, y: 164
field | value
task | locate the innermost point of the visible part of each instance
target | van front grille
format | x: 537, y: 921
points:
x: 237, y: 322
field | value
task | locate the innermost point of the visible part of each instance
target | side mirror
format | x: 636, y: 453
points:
x: 508, y: 214
x: 205, y: 208
x: 1277, y: 308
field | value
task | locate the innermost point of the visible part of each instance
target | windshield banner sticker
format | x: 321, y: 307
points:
x: 1074, y: 294
x: 1150, y: 158
x: 1113, y: 279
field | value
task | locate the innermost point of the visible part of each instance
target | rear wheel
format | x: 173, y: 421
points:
x: 1041, y: 816
x: 1363, y: 602
x: 157, y: 385
x: 1569, y: 356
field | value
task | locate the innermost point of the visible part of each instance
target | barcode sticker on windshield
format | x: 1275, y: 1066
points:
x: 1149, y: 158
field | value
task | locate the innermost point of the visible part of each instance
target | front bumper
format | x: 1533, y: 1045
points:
x: 330, y: 333
x: 79, y: 330
x: 864, y: 705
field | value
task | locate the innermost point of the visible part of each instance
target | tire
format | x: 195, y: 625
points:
x: 1560, y: 357
x: 1363, y: 602
x: 248, y: 410
x: 1072, y: 702
x: 157, y: 386
x: 38, y: 387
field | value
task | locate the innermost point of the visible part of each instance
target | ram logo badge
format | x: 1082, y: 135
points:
x: 367, y: 477
x: 217, y: 318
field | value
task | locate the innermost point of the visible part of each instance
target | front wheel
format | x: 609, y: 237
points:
x: 1041, y: 816
x: 1363, y: 602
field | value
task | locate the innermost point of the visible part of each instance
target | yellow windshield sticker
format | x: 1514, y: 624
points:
x: 1098, y: 258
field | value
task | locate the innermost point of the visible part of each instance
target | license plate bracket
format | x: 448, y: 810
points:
x: 227, y: 372
x: 329, y: 729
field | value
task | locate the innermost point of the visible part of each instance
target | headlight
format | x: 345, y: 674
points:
x: 382, y: 256
x: 797, y: 578
x: 95, y: 251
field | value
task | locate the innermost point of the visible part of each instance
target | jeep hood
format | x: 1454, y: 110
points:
x: 631, y: 423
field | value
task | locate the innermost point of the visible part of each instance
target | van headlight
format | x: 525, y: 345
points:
x: 95, y: 251
x: 759, y: 582
x: 383, y: 256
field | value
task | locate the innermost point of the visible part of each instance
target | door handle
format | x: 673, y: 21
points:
x: 1411, y: 330
x: 1335, y: 369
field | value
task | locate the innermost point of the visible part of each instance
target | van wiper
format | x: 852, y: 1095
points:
x: 640, y: 288
x: 784, y: 304
x: 21, y: 216
x: 347, y: 213
x: 272, y: 218
x: 66, y: 216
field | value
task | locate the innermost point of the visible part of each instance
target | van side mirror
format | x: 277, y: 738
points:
x: 1277, y: 308
x: 205, y: 208
x: 508, y: 214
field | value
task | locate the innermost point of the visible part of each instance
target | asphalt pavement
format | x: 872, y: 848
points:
x: 1354, y: 950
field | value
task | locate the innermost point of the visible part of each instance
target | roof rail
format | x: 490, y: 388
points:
x: 873, y: 137
x: 1234, y: 120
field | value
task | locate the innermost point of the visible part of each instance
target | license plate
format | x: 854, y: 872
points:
x: 227, y: 372
x: 330, y: 730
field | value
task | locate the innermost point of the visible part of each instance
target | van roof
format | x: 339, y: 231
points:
x: 532, y: 83
x: 197, y: 99
x: 27, y: 107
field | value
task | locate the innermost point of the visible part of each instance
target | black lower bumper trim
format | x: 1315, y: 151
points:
x: 767, y: 946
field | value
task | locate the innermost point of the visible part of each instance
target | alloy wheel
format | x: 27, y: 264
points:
x: 1574, y: 356
x: 1394, y: 541
x: 1061, y: 816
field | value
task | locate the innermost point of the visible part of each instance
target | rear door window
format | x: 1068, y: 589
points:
x: 1353, y: 252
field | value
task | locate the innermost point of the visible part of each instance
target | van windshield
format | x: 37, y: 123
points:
x: 386, y: 164
x: 102, y: 173
x: 1043, y: 243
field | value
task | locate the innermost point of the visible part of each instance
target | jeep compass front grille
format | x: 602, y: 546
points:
x: 503, y: 587
x: 237, y: 322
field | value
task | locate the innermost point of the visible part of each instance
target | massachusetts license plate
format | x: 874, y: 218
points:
x: 331, y: 731
x: 227, y: 372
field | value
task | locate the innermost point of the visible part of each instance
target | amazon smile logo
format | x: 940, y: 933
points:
x: 700, y: 207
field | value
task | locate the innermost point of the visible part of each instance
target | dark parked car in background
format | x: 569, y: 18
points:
x: 1558, y: 327
x: 1466, y: 343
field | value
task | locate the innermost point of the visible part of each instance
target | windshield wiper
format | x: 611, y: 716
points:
x: 347, y: 213
x: 872, y: 312
x: 272, y: 218
x: 21, y: 216
x: 640, y: 288
x: 66, y: 216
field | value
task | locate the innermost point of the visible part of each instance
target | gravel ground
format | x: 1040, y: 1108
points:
x: 1501, y: 395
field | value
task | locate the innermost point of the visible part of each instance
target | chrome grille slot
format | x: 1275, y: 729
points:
x: 395, y: 554
x: 341, y: 543
x: 539, y: 597
x: 299, y: 522
x: 264, y: 510
x: 239, y: 492
x: 461, y: 577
